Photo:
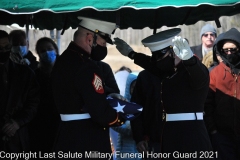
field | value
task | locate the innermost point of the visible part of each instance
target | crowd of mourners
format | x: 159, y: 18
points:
x: 190, y: 94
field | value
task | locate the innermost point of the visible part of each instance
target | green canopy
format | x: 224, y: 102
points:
x: 59, y: 14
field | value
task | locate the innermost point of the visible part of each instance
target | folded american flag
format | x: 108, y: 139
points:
x: 128, y: 110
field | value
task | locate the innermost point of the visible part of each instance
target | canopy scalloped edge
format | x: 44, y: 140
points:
x: 89, y: 7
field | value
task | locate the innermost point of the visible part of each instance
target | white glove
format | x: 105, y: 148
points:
x: 122, y: 46
x: 142, y: 146
x: 182, y: 48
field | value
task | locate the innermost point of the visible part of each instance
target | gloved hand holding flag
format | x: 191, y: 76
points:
x: 127, y: 110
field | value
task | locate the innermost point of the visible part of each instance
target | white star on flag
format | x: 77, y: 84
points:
x: 119, y: 108
x: 140, y: 109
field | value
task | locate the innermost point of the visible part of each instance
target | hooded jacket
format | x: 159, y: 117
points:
x: 131, y: 77
x: 222, y: 111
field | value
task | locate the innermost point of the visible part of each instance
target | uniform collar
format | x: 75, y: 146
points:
x: 77, y: 49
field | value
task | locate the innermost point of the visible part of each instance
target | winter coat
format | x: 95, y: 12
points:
x: 22, y: 92
x: 33, y: 60
x: 43, y: 128
x: 130, y: 79
x: 197, y: 50
x: 223, y: 101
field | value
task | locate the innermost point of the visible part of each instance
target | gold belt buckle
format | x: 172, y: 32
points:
x: 163, y: 116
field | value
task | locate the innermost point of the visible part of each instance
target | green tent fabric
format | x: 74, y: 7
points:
x: 59, y: 14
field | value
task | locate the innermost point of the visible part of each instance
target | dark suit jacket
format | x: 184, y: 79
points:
x: 197, y: 50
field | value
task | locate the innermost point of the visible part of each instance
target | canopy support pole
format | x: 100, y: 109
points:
x: 118, y: 14
x: 52, y: 34
x: 216, y: 19
x: 27, y: 27
x: 155, y: 22
x: 65, y: 24
x: 58, y: 37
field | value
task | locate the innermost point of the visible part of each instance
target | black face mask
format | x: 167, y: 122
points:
x: 233, y: 61
x: 98, y: 53
x: 233, y: 58
x: 166, y: 64
x: 4, y: 56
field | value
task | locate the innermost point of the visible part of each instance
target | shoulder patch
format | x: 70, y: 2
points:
x: 97, y: 84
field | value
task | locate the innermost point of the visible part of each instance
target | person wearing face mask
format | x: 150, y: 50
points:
x: 44, y: 126
x: 20, y: 52
x: 222, y: 112
x: 19, y: 99
x: 172, y: 90
x: 79, y: 94
x: 47, y: 51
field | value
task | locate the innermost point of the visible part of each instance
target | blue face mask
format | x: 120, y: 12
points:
x: 48, y: 57
x: 22, y: 50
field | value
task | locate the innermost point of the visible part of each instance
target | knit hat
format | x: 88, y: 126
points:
x: 208, y: 28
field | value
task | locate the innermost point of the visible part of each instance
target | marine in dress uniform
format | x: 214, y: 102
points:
x: 79, y: 94
x: 183, y: 86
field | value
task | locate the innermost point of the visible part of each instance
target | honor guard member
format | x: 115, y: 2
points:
x: 79, y: 94
x: 174, y: 122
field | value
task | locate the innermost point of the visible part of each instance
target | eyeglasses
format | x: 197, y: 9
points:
x: 211, y: 34
x: 232, y: 50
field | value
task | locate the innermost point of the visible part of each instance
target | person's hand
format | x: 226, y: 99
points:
x: 17, y: 58
x: 122, y: 46
x: 182, y: 48
x: 10, y: 128
x: 142, y: 146
x: 118, y: 96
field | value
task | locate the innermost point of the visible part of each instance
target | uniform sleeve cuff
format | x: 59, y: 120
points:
x: 131, y: 54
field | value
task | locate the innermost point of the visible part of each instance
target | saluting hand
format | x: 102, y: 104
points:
x: 122, y: 46
x: 182, y: 48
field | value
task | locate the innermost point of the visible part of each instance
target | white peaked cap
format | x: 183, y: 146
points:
x: 161, y: 39
x: 94, y: 24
